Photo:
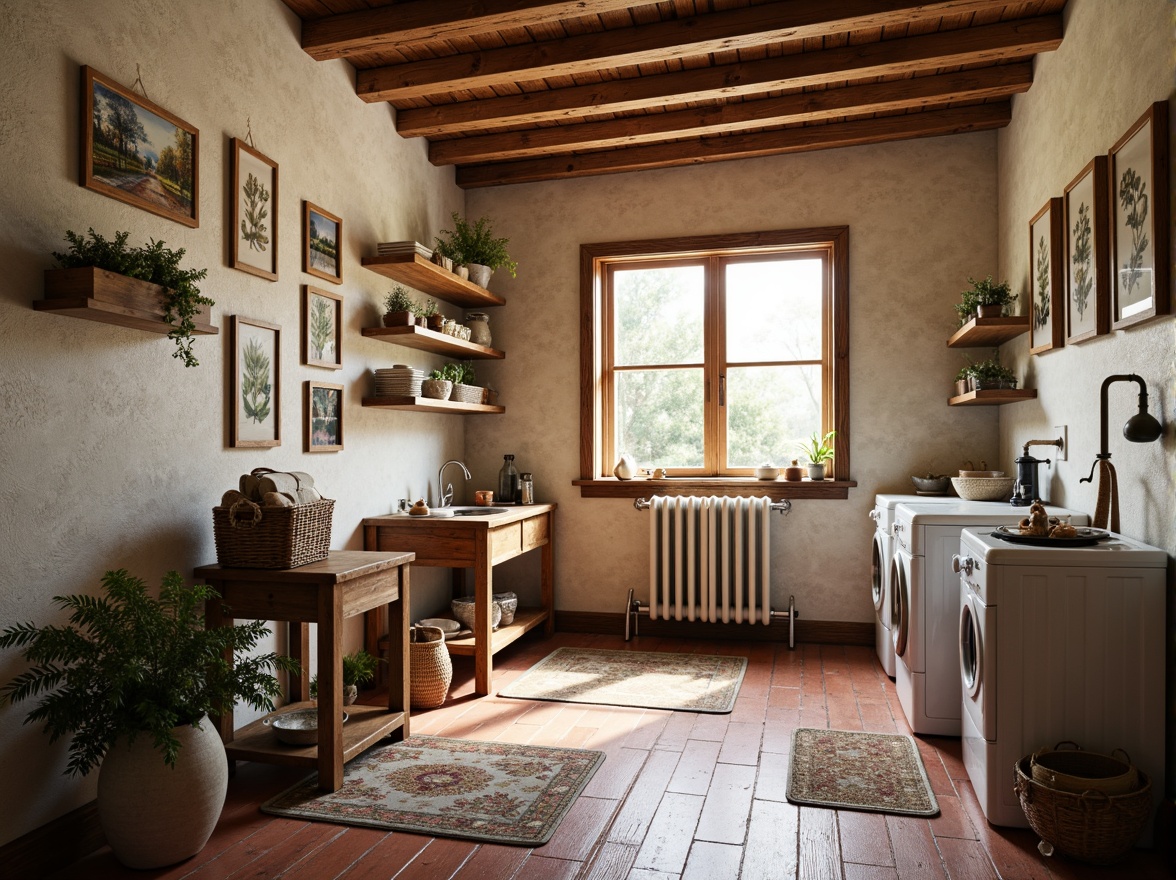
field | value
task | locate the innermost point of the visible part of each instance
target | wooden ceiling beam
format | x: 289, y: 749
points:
x: 389, y: 27
x: 932, y: 123
x: 987, y: 44
x: 660, y: 41
x: 920, y: 92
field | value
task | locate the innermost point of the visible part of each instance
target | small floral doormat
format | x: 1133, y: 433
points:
x: 852, y: 770
x: 496, y: 792
x: 683, y: 682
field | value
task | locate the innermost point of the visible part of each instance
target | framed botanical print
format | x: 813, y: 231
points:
x: 255, y: 414
x: 323, y: 417
x: 1046, y: 330
x: 254, y: 223
x: 1087, y: 271
x: 137, y: 152
x: 1139, y: 220
x: 322, y: 243
x: 322, y: 328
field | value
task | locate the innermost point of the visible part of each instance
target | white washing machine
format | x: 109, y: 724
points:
x: 925, y: 604
x: 1059, y: 644
x: 881, y: 555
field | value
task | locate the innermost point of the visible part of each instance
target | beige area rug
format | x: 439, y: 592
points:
x: 683, y: 682
x: 853, y: 770
x: 497, y: 792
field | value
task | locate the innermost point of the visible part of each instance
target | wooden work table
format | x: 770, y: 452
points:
x: 346, y: 583
x: 478, y: 542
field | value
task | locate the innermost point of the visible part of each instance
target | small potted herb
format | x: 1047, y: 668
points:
x: 439, y: 385
x: 358, y: 668
x: 963, y: 380
x: 433, y: 319
x: 474, y: 245
x: 399, y: 308
x: 985, y: 299
x: 818, y: 450
x: 990, y: 374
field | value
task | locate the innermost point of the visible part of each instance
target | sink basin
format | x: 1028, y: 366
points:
x: 459, y: 510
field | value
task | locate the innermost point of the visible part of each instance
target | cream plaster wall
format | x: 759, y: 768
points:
x: 1115, y: 60
x: 921, y: 216
x: 113, y: 451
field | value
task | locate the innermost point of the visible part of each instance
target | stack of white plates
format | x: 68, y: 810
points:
x: 397, y: 248
x: 398, y: 381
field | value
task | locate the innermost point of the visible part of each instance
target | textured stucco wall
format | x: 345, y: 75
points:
x: 1114, y: 61
x: 921, y: 216
x: 113, y: 452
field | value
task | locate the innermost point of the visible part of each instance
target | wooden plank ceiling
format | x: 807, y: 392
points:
x: 512, y: 91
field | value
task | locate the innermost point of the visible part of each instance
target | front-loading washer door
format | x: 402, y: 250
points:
x: 878, y: 563
x: 971, y: 651
x: 900, y: 605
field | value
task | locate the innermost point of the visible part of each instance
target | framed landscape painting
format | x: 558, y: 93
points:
x: 1088, y: 291
x: 322, y: 236
x: 1139, y: 220
x: 135, y: 151
x: 254, y: 222
x: 322, y: 328
x: 255, y: 416
x: 1045, y: 278
x: 323, y: 414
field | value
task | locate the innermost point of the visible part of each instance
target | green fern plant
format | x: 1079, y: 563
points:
x: 253, y: 228
x: 255, y: 382
x: 475, y: 243
x: 322, y: 326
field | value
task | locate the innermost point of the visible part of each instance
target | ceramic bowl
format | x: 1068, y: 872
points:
x: 297, y: 728
x: 463, y: 610
x: 766, y: 472
x: 932, y: 485
x: 982, y: 474
x: 983, y: 488
x: 509, y: 603
x: 444, y: 624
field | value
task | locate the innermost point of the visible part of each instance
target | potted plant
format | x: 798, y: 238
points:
x: 399, y: 308
x: 358, y: 668
x: 990, y: 374
x: 131, y: 680
x: 464, y: 389
x: 439, y: 385
x: 818, y: 450
x: 985, y: 299
x: 475, y: 246
x: 963, y: 380
x: 168, y: 290
x: 433, y: 319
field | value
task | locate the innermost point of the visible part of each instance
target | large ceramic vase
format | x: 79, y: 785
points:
x: 479, y: 274
x: 155, y: 815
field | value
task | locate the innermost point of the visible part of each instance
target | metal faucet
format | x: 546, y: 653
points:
x: 445, y: 494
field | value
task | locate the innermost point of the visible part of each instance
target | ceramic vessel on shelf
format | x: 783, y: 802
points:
x: 479, y: 274
x: 509, y: 603
x: 463, y: 610
x: 816, y: 471
x: 794, y: 473
x: 626, y: 468
x: 436, y: 389
x: 479, y: 324
x: 767, y: 472
x: 462, y: 272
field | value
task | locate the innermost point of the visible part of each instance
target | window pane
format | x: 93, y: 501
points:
x: 658, y: 315
x: 659, y: 417
x: 774, y: 310
x: 769, y: 411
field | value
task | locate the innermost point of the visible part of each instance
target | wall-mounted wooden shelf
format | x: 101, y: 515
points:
x: 993, y: 397
x: 417, y: 272
x: 428, y: 404
x: 430, y: 340
x: 109, y: 298
x: 989, y: 332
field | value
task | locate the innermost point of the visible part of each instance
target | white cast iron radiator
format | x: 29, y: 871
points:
x: 710, y: 560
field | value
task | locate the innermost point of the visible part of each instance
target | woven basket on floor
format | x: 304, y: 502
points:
x: 430, y: 669
x: 251, y: 536
x: 1092, y: 826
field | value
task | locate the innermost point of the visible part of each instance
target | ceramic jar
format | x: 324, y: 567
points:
x: 479, y: 324
x: 626, y: 468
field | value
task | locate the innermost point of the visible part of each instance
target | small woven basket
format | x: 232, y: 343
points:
x: 430, y: 669
x: 1092, y: 827
x: 466, y: 393
x: 251, y: 536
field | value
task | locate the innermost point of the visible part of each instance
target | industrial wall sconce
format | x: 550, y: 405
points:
x: 1142, y: 427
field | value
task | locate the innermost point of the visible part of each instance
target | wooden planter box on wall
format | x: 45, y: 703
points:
x: 100, y: 295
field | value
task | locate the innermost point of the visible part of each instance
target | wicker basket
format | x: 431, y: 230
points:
x: 430, y: 669
x: 250, y: 536
x: 1078, y: 772
x: 466, y: 393
x: 1091, y: 827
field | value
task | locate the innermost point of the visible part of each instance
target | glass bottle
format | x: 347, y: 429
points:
x: 526, y: 489
x: 508, y: 482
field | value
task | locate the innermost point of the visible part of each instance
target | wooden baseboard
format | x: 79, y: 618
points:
x: 54, y: 845
x: 826, y: 632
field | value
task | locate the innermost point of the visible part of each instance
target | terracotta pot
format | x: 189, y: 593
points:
x: 399, y: 319
x: 435, y: 322
x: 992, y: 311
x: 155, y: 815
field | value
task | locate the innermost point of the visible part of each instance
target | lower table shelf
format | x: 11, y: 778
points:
x: 365, y: 726
x: 525, y: 619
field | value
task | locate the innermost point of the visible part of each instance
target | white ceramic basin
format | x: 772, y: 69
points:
x: 459, y: 510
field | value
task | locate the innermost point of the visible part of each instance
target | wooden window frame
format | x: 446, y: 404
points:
x: 595, y: 259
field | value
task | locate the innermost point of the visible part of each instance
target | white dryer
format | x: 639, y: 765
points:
x: 925, y: 604
x: 881, y: 555
x: 1059, y: 644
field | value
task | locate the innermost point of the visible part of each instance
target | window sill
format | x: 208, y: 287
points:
x: 777, y: 490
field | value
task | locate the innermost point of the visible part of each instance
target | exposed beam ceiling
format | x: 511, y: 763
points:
x: 522, y: 90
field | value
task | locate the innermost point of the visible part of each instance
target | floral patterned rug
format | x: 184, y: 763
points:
x: 497, y: 792
x: 850, y: 769
x: 684, y: 682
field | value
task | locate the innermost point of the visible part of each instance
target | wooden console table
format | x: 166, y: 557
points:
x: 346, y: 583
x: 480, y: 542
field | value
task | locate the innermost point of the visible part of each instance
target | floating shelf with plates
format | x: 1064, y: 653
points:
x: 989, y: 332
x: 431, y: 341
x: 428, y: 404
x: 417, y: 272
x: 993, y: 397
